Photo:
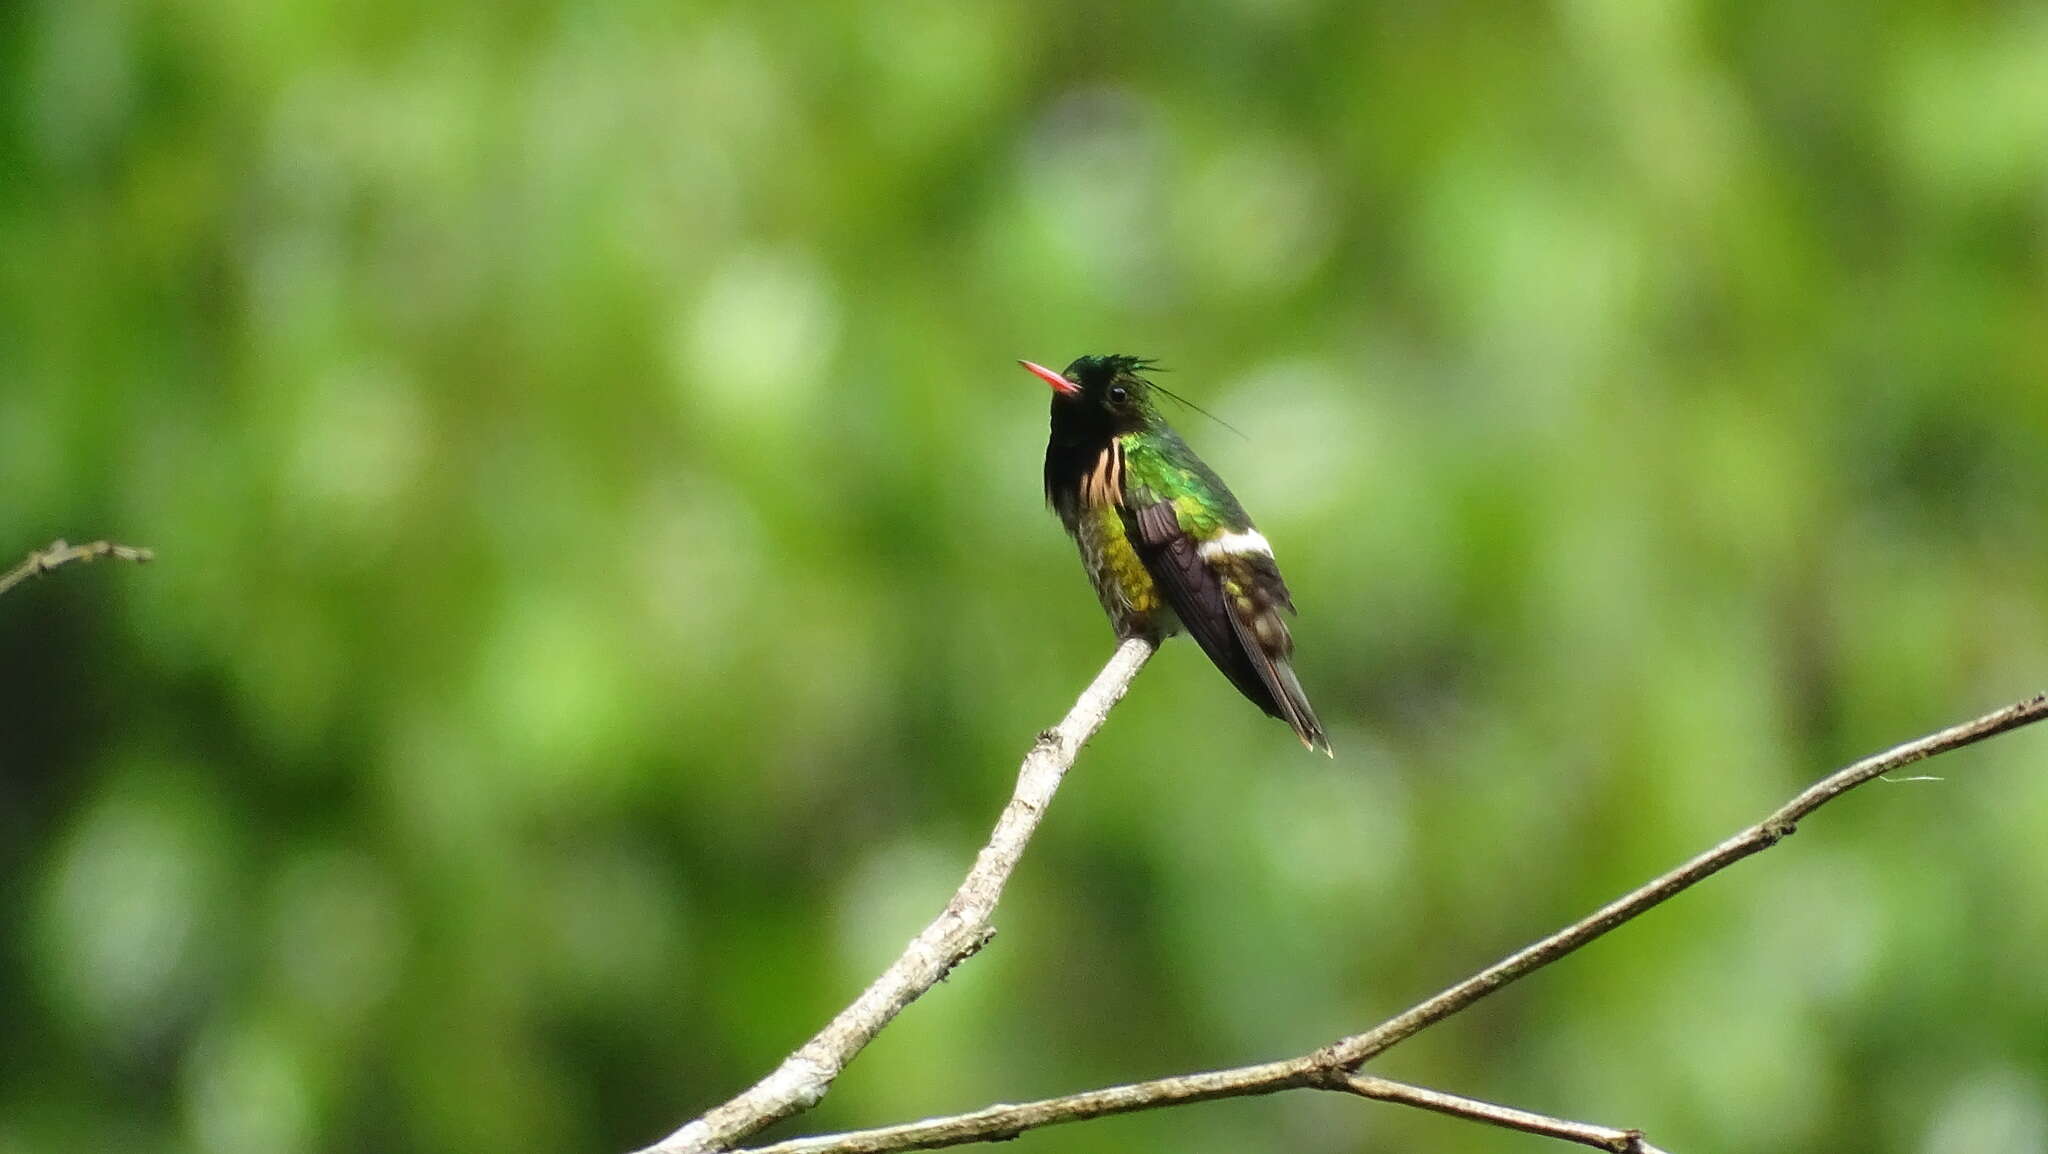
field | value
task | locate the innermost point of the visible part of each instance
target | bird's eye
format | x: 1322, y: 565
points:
x: 1118, y: 394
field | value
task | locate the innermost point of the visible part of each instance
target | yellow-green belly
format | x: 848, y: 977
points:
x: 1121, y: 581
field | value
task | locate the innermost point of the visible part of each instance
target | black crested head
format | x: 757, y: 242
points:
x: 1096, y: 374
x: 1099, y: 397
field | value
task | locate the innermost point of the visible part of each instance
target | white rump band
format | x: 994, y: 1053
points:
x: 1249, y: 541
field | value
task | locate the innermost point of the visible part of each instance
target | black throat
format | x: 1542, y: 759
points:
x: 1072, y: 451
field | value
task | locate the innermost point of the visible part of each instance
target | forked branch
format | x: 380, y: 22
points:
x: 803, y: 1078
x: 1009, y: 1122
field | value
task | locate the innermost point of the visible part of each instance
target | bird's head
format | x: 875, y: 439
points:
x: 1098, y: 396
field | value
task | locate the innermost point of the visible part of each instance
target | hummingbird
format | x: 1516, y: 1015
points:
x: 1164, y: 541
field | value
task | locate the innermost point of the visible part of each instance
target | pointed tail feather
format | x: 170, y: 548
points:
x: 1298, y: 713
x: 1268, y: 648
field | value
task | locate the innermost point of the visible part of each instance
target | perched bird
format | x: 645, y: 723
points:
x: 1163, y: 539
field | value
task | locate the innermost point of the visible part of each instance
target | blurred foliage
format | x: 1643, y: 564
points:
x: 604, y: 590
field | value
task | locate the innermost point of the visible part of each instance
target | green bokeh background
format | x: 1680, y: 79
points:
x: 604, y: 589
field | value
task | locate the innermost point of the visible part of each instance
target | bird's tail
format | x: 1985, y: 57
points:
x: 1266, y: 642
x: 1295, y: 709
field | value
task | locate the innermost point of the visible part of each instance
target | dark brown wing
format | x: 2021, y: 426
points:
x: 1230, y: 604
x: 1195, y: 590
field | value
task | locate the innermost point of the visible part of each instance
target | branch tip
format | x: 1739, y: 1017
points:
x: 61, y: 552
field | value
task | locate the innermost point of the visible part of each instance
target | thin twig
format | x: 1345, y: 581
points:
x: 1332, y: 1066
x: 1507, y: 1117
x: 999, y: 1122
x: 1349, y: 1053
x: 962, y: 928
x: 59, y: 553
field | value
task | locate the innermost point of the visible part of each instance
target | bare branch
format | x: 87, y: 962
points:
x: 1507, y: 1117
x: 961, y: 929
x: 1000, y: 1122
x: 59, y: 553
x: 1349, y: 1053
x: 1332, y: 1066
x: 1009, y: 1121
